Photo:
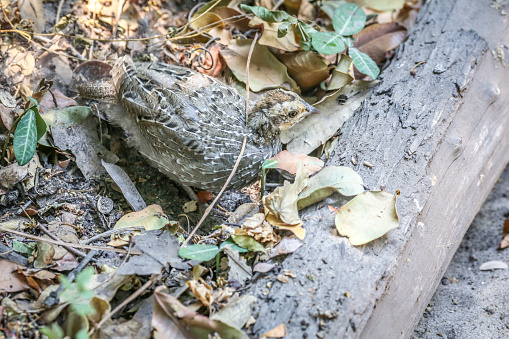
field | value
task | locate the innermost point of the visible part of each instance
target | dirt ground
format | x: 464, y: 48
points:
x: 470, y: 303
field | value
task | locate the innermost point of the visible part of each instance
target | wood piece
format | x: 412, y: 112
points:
x: 441, y: 137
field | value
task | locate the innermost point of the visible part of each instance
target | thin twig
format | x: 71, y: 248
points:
x: 191, y: 34
x: 110, y: 232
x: 91, y: 50
x: 74, y: 251
x: 125, y: 302
x: 60, y: 243
x: 59, y: 11
x: 207, y: 211
x: 121, y: 4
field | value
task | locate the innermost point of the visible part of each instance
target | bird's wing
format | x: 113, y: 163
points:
x: 182, y: 109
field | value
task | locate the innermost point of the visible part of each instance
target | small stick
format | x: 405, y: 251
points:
x: 60, y: 243
x: 59, y: 11
x: 110, y: 232
x: 74, y: 251
x: 125, y: 302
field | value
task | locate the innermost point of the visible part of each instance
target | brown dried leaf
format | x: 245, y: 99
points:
x: 263, y: 267
x: 297, y: 229
x: 276, y: 332
x: 290, y: 162
x: 174, y: 319
x: 376, y: 40
x: 306, y: 68
x: 286, y: 246
x: 242, y: 24
x: 269, y: 36
x: 211, y: 20
x: 10, y: 279
x: 282, y: 203
x: 202, y: 291
x: 152, y: 218
x: 61, y: 100
x: 32, y: 10
x: 266, y: 71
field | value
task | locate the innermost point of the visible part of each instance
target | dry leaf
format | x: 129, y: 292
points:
x: 330, y: 180
x: 290, y: 162
x: 10, y: 279
x: 341, y: 74
x: 201, y: 290
x: 32, y: 10
x: 269, y: 36
x: 282, y: 203
x: 286, y: 246
x: 191, y: 324
x: 266, y: 71
x: 316, y: 129
x: 296, y: 229
x: 276, y: 332
x: 493, y: 265
x: 367, y: 217
x: 190, y: 206
x: 306, y: 68
x: 263, y: 267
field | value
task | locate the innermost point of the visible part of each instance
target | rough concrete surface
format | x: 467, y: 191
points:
x: 470, y: 303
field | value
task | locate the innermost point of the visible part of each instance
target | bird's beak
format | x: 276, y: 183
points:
x: 311, y: 110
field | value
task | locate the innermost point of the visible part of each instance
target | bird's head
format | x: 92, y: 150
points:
x: 277, y: 110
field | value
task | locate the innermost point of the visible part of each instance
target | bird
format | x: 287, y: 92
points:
x: 189, y: 125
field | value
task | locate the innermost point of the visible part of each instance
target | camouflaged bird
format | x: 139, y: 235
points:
x: 189, y: 125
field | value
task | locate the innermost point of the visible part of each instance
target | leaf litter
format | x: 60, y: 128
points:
x: 66, y: 187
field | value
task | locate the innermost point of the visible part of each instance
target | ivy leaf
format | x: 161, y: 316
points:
x: 327, y: 43
x: 25, y: 138
x: 199, y: 252
x: 364, y: 63
x: 349, y: 19
x: 266, y: 15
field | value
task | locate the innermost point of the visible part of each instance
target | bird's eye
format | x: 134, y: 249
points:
x: 293, y: 114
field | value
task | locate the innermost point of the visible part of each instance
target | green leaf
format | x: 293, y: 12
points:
x: 53, y: 332
x: 349, y: 19
x: 364, y: 63
x: 266, y: 15
x: 249, y: 243
x: 233, y: 246
x: 328, y: 7
x: 25, y: 138
x: 282, y: 30
x: 40, y: 123
x: 24, y: 249
x: 304, y: 31
x: 269, y: 163
x: 82, y: 334
x: 199, y: 252
x: 83, y: 278
x: 331, y: 179
x: 327, y: 43
x: 367, y: 217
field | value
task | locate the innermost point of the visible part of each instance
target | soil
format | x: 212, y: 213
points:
x: 470, y: 303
